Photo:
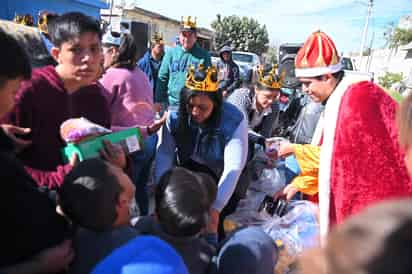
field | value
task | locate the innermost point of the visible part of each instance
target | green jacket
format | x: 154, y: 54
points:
x: 172, y: 73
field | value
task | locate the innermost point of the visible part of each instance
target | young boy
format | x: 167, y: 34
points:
x: 98, y: 197
x: 33, y: 234
x: 55, y: 94
x: 183, y: 199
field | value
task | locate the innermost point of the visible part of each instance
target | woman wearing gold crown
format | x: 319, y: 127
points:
x: 261, y: 111
x: 205, y: 134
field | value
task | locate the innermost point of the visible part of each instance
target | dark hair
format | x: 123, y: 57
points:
x: 89, y: 195
x: 183, y: 199
x: 15, y: 61
x: 127, y: 57
x: 183, y: 124
x: 70, y: 25
x: 337, y: 75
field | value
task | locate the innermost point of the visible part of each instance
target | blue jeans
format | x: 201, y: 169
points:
x: 142, y: 161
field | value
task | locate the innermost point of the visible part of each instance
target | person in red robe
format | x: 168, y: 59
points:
x: 360, y: 160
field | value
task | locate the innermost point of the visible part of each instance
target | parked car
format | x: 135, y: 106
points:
x: 248, y: 63
x: 215, y: 57
x: 347, y: 63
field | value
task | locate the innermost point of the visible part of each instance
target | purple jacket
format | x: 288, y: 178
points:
x: 42, y: 104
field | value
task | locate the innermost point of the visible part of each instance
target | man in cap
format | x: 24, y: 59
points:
x: 172, y: 73
x: 228, y: 72
x: 354, y: 149
x: 151, y: 61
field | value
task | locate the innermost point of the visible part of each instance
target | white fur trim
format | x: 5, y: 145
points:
x: 327, y: 125
x: 317, y: 71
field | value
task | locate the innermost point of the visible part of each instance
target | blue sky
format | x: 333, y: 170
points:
x: 294, y: 20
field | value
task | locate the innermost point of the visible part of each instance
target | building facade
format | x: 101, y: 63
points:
x: 155, y: 22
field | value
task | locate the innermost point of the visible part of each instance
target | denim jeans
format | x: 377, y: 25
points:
x: 142, y: 161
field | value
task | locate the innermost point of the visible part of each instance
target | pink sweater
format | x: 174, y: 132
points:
x: 130, y: 98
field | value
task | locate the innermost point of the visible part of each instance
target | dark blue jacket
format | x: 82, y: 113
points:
x: 209, y: 142
x: 145, y: 65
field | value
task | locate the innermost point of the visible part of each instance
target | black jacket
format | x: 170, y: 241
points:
x: 232, y: 80
x: 29, y: 219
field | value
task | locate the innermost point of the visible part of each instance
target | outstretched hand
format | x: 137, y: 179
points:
x: 114, y: 154
x: 12, y: 131
x: 156, y: 125
x: 56, y: 259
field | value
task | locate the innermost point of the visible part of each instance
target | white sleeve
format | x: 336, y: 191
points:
x: 235, y: 156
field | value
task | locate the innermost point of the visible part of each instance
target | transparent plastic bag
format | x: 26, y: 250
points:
x: 299, y: 226
x: 296, y: 231
x: 247, y: 213
x: 265, y: 177
x: 270, y: 181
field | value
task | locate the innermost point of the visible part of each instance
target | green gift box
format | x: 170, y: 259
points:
x: 130, y: 139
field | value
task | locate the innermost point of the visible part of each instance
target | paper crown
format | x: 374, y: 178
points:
x: 157, y: 38
x: 26, y: 20
x: 202, y: 79
x: 187, y: 23
x: 318, y: 56
x: 43, y: 20
x: 271, y: 79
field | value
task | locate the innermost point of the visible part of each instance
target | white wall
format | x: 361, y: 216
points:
x: 386, y: 60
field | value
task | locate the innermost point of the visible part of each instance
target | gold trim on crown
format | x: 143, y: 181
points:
x: 271, y: 80
x: 207, y: 84
x: 157, y: 38
x: 42, y: 23
x: 188, y: 23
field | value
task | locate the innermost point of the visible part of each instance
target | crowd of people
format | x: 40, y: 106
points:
x: 200, y: 130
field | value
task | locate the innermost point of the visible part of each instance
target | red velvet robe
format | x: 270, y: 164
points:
x: 361, y: 162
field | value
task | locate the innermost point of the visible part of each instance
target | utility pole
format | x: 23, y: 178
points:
x: 369, y: 62
x: 111, y: 12
x: 365, y: 32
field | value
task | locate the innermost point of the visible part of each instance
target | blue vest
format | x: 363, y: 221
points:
x: 208, y: 144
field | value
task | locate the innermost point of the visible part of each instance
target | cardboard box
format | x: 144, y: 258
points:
x: 130, y: 139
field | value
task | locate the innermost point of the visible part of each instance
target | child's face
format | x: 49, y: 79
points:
x: 408, y: 160
x: 7, y: 94
x: 80, y: 58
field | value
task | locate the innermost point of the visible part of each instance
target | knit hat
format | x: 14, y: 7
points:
x: 318, y: 56
x: 144, y: 254
x: 248, y: 250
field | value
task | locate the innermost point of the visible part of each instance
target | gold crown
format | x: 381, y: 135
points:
x: 209, y: 82
x: 42, y: 22
x: 26, y: 20
x: 270, y: 80
x: 188, y: 23
x: 157, y: 38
